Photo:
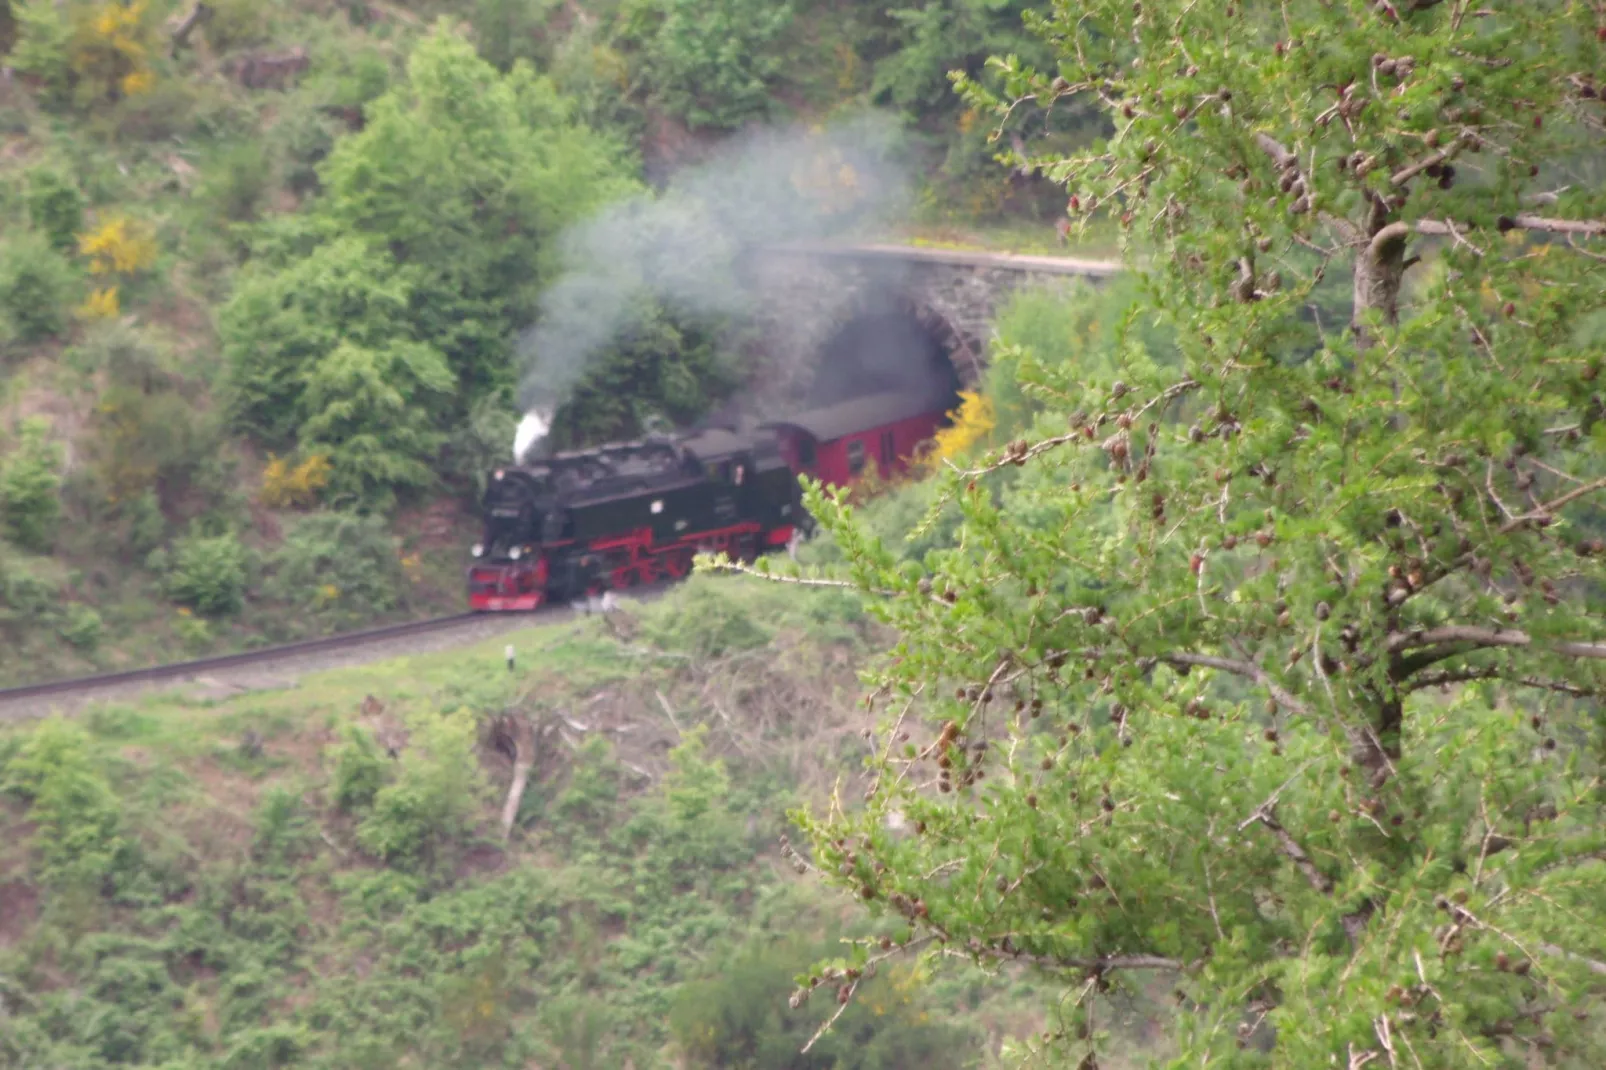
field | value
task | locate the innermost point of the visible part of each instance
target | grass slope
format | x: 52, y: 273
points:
x: 259, y: 883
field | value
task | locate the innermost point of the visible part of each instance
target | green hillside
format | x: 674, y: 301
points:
x: 263, y: 264
x: 317, y: 877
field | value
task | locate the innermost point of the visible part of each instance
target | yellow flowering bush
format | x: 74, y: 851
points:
x: 111, y: 50
x: 101, y: 304
x: 119, y: 246
x: 286, y: 485
x: 969, y: 424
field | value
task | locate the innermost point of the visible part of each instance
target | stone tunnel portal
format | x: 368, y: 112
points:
x: 887, y: 346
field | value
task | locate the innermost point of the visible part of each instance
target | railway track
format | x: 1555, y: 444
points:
x: 11, y: 697
x: 306, y: 655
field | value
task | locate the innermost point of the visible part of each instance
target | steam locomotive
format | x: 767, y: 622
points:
x: 574, y: 524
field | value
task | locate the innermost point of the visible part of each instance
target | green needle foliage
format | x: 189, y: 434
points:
x: 1265, y: 668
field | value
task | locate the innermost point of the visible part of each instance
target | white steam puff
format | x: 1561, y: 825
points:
x: 531, y: 430
x: 681, y: 247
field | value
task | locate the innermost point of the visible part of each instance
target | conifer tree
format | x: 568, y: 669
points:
x: 1268, y: 671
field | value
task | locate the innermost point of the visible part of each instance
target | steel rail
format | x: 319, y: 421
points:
x: 229, y: 661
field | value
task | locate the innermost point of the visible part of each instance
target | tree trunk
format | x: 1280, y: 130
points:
x: 523, y: 734
x: 181, y: 33
x: 1379, y: 271
x: 1380, y: 266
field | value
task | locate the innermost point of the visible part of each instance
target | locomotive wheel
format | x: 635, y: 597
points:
x: 622, y: 578
x: 677, y: 563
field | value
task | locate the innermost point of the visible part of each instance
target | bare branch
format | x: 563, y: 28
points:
x: 853, y: 985
x: 1290, y: 161
x: 1405, y: 174
x: 1101, y: 964
x: 186, y: 26
x: 1589, y: 228
x: 1547, y: 510
x: 1475, y: 636
x: 1594, y: 966
x: 1279, y: 155
x: 1292, y: 850
x: 1460, y: 676
x: 721, y: 563
x: 1241, y: 668
x: 1014, y: 457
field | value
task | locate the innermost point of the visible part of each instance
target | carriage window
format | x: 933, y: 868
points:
x: 805, y: 451
x: 856, y: 456
x: 888, y: 449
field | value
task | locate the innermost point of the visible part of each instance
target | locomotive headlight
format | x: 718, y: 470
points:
x: 515, y: 553
x: 477, y: 550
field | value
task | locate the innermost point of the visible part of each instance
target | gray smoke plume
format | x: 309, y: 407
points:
x: 683, y: 246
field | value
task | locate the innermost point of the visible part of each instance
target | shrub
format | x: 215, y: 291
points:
x: 436, y: 790
x: 339, y: 566
x: 712, y: 62
x: 145, y: 525
x: 30, y: 485
x: 37, y: 286
x: 282, y: 826
x: 55, y: 207
x: 283, y: 318
x: 24, y: 593
x: 506, y: 31
x: 239, y: 24
x: 146, y: 434
x: 81, y: 626
x: 71, y: 803
x: 360, y: 769
x: 238, y: 180
x: 207, y: 573
x: 738, y: 1016
x: 703, y: 621
x: 43, y: 38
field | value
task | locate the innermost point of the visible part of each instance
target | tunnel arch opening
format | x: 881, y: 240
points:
x: 890, y: 343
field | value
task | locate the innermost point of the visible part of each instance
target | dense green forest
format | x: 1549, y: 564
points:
x: 263, y: 264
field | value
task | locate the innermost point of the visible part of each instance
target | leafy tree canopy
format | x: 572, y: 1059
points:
x: 1268, y: 668
x: 435, y: 229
